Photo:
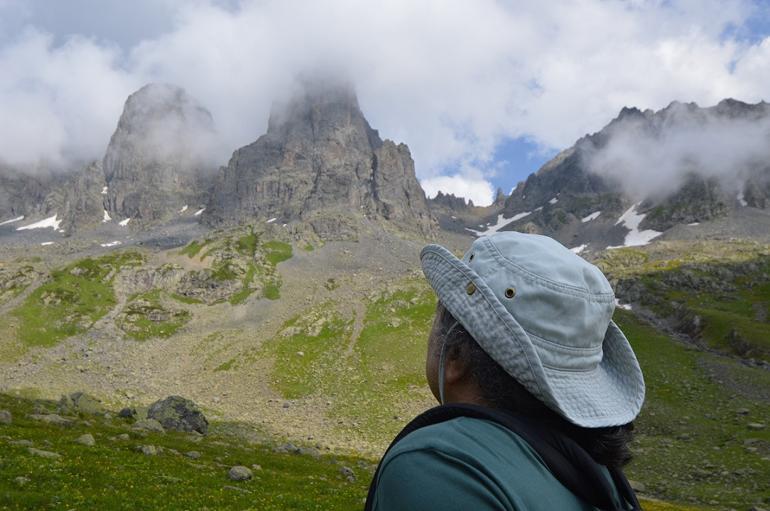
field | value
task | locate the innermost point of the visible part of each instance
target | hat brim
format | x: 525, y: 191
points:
x: 609, y: 395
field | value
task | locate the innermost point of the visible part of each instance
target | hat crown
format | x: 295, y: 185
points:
x: 561, y: 300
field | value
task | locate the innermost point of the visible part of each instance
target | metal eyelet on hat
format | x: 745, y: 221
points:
x: 510, y: 292
x: 470, y: 288
x: 471, y: 258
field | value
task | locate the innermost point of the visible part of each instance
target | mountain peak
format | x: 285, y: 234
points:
x: 319, y: 155
x: 157, y: 156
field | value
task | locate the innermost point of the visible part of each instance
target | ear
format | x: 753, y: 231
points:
x: 456, y: 369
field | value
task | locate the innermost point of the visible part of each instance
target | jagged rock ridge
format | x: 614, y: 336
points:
x: 320, y: 155
x: 563, y: 197
x: 159, y: 158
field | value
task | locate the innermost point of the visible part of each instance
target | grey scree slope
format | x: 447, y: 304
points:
x: 555, y: 335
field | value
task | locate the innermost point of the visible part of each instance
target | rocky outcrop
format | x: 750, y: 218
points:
x: 158, y: 159
x: 23, y: 191
x: 79, y: 202
x: 80, y: 402
x: 449, y: 201
x: 179, y: 414
x: 320, y: 154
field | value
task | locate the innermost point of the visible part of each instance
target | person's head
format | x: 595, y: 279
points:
x: 524, y: 324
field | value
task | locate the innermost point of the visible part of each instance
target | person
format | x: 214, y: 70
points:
x: 538, y: 387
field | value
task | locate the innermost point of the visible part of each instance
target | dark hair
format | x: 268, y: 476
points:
x: 607, y: 446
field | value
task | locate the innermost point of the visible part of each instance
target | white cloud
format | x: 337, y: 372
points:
x: 480, y: 191
x: 450, y: 78
x: 652, y: 156
x: 58, y: 103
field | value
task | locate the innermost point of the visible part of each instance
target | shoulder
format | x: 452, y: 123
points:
x: 452, y: 465
x: 467, y: 438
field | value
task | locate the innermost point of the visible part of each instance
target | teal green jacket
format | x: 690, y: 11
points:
x: 469, y: 464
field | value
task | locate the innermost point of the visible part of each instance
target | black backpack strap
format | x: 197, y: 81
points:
x: 566, y: 460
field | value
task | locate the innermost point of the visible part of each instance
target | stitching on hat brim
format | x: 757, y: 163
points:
x: 559, y: 287
x: 620, y: 350
x: 486, y: 293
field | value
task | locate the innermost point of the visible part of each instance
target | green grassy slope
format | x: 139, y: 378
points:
x: 72, y: 299
x: 716, y: 293
x: 113, y: 475
x: 694, y: 442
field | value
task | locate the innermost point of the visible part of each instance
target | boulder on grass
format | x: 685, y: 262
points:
x: 239, y: 473
x: 148, y: 425
x: 179, y: 414
x: 80, y: 402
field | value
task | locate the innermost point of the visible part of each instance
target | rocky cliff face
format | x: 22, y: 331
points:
x: 320, y: 155
x: 79, y: 202
x: 569, y: 200
x: 158, y: 159
x: 23, y: 192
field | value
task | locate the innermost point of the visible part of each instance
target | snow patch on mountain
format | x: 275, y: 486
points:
x: 592, y: 216
x: 631, y: 220
x: 12, y: 220
x: 53, y: 222
x: 501, y: 222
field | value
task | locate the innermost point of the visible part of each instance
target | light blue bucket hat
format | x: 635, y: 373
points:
x: 545, y: 315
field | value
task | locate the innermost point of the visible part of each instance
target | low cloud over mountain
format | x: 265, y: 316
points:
x: 425, y: 74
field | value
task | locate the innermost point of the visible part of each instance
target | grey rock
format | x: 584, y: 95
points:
x: 52, y: 418
x: 22, y: 442
x: 78, y: 202
x: 6, y: 417
x: 159, y: 158
x: 348, y: 474
x: 21, y: 480
x: 86, y: 439
x: 148, y: 425
x: 127, y: 413
x: 148, y: 450
x: 43, y: 454
x: 179, y: 414
x: 756, y: 426
x: 637, y: 486
x: 122, y: 436
x: 239, y: 473
x: 287, y: 448
x: 320, y: 162
x: 193, y: 455
x: 80, y: 402
x: 23, y: 189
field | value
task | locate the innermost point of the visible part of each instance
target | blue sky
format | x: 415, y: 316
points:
x: 518, y: 158
x: 452, y: 79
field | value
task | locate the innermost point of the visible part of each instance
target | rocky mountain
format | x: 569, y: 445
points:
x: 79, y: 201
x: 158, y: 160
x: 574, y: 200
x: 23, y: 192
x: 320, y: 162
